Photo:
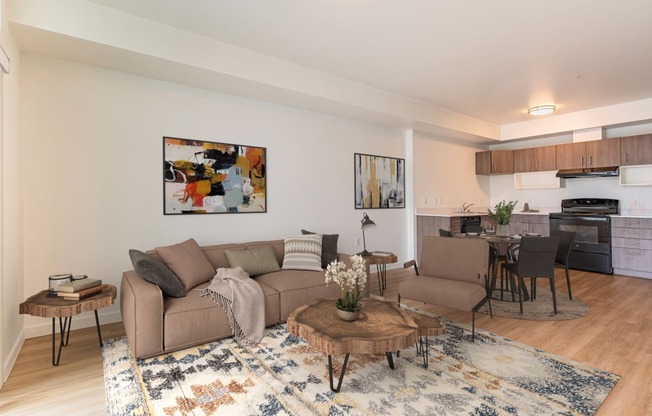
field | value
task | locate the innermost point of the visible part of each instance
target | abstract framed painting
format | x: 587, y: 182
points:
x: 203, y: 177
x: 379, y: 181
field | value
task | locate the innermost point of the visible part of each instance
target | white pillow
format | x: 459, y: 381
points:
x: 303, y: 252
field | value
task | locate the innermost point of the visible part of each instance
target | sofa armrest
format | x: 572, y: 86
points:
x: 141, y: 305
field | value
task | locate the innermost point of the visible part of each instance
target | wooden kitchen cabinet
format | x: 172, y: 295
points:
x: 631, y: 242
x: 535, y: 159
x: 636, y: 150
x: 590, y: 154
x: 521, y: 223
x: 494, y: 162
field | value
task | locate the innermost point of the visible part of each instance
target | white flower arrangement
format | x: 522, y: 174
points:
x: 351, y: 282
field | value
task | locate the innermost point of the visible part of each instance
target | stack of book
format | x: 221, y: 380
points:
x: 80, y: 289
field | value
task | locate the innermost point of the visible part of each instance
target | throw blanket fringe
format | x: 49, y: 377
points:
x: 242, y: 300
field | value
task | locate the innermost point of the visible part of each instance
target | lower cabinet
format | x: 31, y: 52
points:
x: 631, y: 242
x: 529, y: 223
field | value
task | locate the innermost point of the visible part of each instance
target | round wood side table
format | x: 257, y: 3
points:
x: 47, y: 307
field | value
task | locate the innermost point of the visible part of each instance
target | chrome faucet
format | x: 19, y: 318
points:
x: 464, y: 208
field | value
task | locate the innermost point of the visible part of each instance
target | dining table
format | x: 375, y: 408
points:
x: 508, y: 246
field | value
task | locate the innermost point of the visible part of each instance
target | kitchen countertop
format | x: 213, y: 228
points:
x: 449, y: 212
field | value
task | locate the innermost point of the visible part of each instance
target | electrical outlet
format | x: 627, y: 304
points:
x: 357, y: 241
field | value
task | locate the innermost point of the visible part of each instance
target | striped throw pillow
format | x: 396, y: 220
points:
x: 302, y: 252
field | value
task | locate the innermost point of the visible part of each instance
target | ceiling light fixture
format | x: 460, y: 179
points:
x: 541, y: 110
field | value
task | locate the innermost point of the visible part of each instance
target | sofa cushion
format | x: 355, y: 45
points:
x: 188, y: 262
x: 155, y: 271
x: 254, y: 261
x: 298, y: 287
x: 197, y: 319
x: 328, y: 247
x: 450, y: 293
x: 302, y: 252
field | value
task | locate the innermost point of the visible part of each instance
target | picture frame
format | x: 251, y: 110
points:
x: 379, y: 181
x: 206, y: 177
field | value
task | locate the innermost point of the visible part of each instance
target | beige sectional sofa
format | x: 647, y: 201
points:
x: 156, y: 323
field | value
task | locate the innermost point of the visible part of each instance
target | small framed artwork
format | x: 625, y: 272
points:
x: 203, y: 177
x: 379, y: 181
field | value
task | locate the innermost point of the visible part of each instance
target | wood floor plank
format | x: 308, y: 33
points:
x: 615, y: 336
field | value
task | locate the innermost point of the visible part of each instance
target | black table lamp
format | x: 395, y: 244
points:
x: 366, y: 223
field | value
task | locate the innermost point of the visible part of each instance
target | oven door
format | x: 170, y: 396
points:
x: 592, y: 246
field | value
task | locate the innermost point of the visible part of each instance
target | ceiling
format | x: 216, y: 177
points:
x: 488, y: 60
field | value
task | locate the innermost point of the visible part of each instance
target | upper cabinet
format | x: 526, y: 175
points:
x: 636, y: 150
x: 535, y: 159
x: 494, y: 162
x: 590, y: 154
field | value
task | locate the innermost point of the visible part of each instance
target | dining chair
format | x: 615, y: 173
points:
x: 566, y: 239
x: 445, y: 233
x: 536, y: 259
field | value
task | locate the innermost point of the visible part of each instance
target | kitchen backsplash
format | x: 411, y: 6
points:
x: 634, y: 200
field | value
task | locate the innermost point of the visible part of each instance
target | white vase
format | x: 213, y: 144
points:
x: 502, y: 230
x: 348, y: 316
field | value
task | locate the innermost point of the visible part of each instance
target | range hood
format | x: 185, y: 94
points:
x: 588, y: 173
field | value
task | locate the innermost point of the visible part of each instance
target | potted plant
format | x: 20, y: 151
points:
x: 351, y: 283
x: 502, y: 213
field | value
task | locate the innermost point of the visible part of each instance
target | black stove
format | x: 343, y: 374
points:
x: 590, y: 206
x: 590, y: 220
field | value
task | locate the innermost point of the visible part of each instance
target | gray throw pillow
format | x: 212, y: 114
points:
x: 328, y: 247
x: 254, y: 261
x: 155, y: 271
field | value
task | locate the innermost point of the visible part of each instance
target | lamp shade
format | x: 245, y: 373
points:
x: 366, y: 221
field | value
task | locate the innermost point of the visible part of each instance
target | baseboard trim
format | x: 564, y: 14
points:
x: 12, y: 357
x: 44, y: 326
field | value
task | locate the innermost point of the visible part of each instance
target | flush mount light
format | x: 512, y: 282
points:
x: 541, y: 110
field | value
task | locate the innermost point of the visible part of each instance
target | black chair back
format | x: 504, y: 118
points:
x: 566, y: 239
x: 474, y: 229
x: 536, y: 257
x: 445, y: 233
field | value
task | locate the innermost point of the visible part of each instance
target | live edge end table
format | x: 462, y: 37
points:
x: 47, y: 307
x: 381, y: 261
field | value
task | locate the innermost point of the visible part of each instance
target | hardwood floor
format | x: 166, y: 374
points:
x: 616, y: 336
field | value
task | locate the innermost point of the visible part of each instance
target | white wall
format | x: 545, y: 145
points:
x: 444, y: 174
x: 93, y: 171
x: 502, y: 187
x: 11, y: 260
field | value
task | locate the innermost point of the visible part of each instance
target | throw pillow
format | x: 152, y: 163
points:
x: 254, y: 261
x: 328, y: 247
x: 155, y: 271
x: 303, y: 252
x: 188, y: 261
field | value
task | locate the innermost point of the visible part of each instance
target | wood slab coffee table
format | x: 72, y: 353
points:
x: 381, y: 328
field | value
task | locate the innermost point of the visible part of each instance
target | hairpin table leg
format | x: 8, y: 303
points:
x: 330, y: 372
x: 64, y: 336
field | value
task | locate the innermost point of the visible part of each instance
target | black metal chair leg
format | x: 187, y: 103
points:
x: 330, y: 372
x: 554, y: 294
x: 570, y: 294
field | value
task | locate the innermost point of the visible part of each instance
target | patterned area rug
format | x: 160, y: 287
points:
x: 540, y: 309
x: 284, y: 376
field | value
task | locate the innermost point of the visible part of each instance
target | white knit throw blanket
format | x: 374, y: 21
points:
x: 243, y: 301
